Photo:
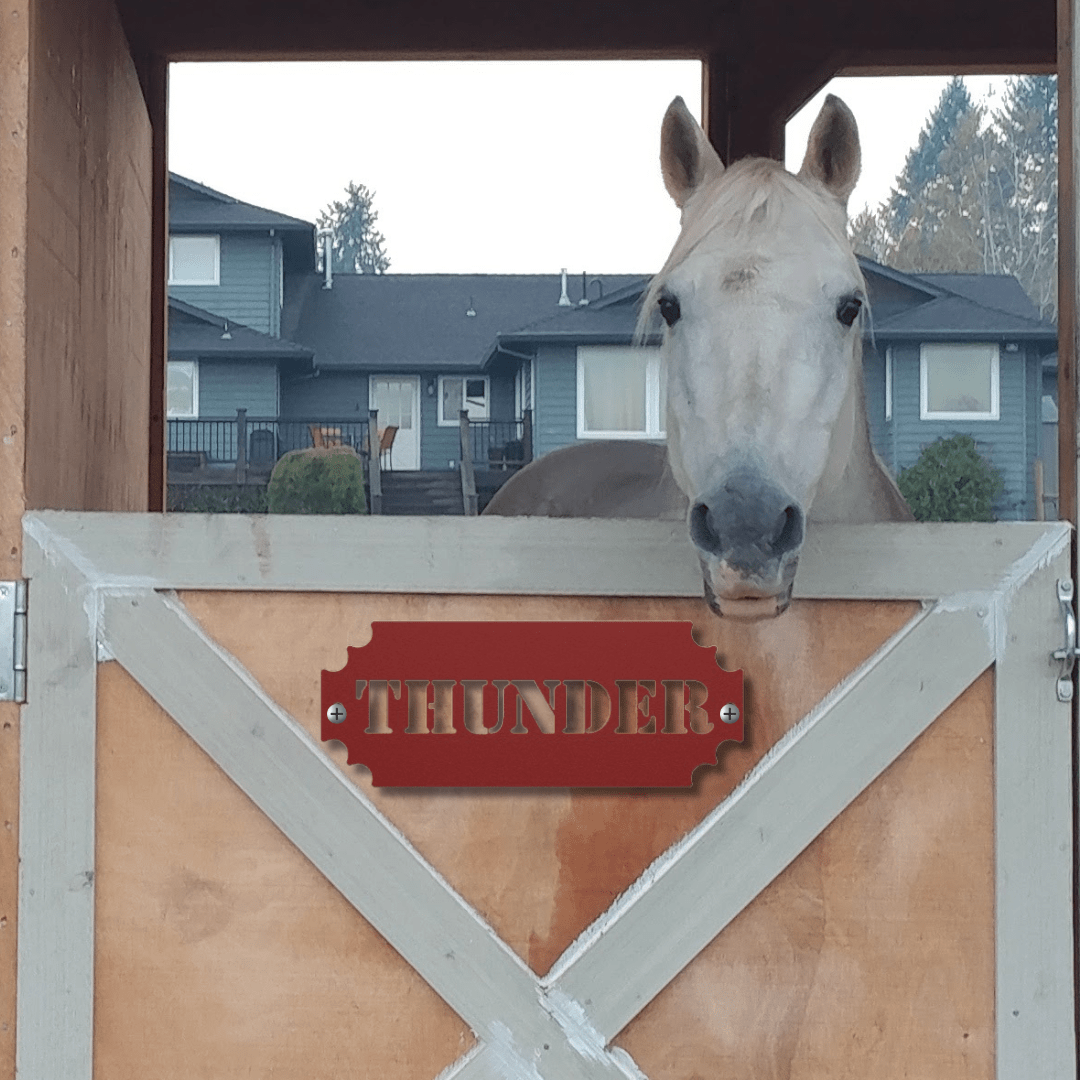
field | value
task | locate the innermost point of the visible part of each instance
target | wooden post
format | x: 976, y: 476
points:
x: 1067, y: 265
x: 468, y: 473
x: 527, y: 435
x: 374, y: 464
x: 241, y: 446
x: 1040, y: 491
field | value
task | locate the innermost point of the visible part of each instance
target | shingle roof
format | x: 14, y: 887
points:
x: 417, y: 322
x: 195, y: 208
x: 195, y: 333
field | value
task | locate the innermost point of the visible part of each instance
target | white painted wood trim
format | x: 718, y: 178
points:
x: 54, y: 1025
x: 277, y: 764
x: 512, y: 555
x: 697, y: 887
x: 1033, y: 840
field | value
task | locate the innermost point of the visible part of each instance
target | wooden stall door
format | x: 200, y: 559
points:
x: 876, y: 882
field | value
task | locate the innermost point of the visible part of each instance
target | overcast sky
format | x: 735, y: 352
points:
x: 489, y: 167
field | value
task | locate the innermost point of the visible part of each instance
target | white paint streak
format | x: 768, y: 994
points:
x: 580, y: 1033
x: 509, y: 1060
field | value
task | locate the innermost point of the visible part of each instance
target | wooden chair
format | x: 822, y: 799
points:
x: 386, y: 445
x: 323, y: 437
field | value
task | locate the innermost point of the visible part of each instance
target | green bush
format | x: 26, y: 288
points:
x: 324, y: 481
x: 217, y: 499
x: 951, y: 481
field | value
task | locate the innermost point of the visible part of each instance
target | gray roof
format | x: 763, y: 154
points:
x: 197, y: 334
x: 196, y: 208
x: 419, y: 322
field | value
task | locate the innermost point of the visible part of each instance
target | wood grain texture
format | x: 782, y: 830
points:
x: 221, y: 950
x: 14, y: 106
x: 541, y: 866
x: 87, y: 267
x: 873, y: 954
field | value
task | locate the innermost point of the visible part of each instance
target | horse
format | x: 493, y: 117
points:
x: 763, y: 308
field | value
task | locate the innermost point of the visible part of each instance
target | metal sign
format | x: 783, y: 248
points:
x: 532, y: 704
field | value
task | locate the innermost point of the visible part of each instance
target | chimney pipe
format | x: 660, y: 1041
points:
x: 584, y: 301
x: 564, y: 299
x: 327, y: 236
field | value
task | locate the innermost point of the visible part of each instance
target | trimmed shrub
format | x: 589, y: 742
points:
x: 951, y: 481
x: 326, y: 480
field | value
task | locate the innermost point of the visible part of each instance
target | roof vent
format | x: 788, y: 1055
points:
x: 564, y: 299
x: 227, y: 336
x: 471, y: 311
x: 584, y: 301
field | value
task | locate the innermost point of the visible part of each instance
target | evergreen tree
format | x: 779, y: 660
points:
x: 357, y: 245
x: 922, y: 165
x: 978, y: 194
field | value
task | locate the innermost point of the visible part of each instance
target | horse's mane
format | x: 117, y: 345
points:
x: 728, y: 202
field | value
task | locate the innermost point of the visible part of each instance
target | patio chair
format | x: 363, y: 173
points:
x: 386, y: 445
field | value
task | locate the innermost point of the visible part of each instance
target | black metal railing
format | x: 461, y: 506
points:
x: 501, y: 444
x: 253, y: 445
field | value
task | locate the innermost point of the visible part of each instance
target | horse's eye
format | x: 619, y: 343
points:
x: 847, y: 311
x: 669, y: 310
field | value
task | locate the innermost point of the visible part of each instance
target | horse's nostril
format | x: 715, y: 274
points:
x: 701, y: 530
x: 788, y: 531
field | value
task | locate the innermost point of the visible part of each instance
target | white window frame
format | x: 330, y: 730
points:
x: 995, y: 383
x: 169, y: 414
x: 215, y: 280
x: 453, y: 421
x: 888, y: 382
x: 654, y: 422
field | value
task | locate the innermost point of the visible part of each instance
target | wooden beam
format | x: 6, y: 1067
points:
x: 1068, y: 84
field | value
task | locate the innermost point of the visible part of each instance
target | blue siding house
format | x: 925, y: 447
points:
x: 266, y: 354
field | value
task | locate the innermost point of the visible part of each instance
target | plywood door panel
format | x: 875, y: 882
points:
x: 540, y: 867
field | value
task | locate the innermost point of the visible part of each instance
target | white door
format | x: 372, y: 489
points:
x: 397, y: 397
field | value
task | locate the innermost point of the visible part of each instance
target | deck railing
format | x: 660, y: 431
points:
x: 501, y: 444
x: 238, y: 448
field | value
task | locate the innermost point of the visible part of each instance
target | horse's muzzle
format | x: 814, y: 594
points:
x: 748, y: 534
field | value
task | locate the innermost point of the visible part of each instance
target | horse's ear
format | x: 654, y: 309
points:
x: 687, y: 158
x: 833, y: 156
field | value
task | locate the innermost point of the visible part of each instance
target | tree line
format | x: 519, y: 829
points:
x: 978, y: 192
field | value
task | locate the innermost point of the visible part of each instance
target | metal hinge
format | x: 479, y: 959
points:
x: 12, y: 640
x: 1068, y: 653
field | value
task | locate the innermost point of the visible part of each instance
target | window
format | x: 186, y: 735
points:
x: 959, y: 382
x: 457, y: 393
x: 621, y: 392
x: 183, y: 389
x: 194, y: 260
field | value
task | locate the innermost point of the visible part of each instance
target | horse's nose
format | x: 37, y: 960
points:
x: 748, y: 522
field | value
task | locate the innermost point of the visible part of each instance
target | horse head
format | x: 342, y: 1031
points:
x: 763, y: 305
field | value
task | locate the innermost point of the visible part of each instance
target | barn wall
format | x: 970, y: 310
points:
x: 88, y: 259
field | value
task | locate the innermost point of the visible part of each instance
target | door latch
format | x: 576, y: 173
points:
x: 1068, y: 653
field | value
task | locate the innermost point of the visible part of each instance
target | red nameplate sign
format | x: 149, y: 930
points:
x: 532, y: 704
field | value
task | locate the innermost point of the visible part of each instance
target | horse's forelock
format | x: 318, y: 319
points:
x: 727, y: 202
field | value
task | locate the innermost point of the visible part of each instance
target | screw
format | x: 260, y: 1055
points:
x: 336, y: 713
x: 729, y: 713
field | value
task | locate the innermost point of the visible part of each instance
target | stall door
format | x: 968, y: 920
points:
x: 397, y: 397
x: 880, y: 888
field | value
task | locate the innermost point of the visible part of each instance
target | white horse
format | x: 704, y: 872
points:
x: 764, y: 306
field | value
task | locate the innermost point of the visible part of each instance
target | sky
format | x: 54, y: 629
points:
x: 491, y: 167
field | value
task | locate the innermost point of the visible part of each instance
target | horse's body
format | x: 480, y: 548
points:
x: 766, y: 422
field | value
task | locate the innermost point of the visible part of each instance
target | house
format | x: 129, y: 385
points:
x: 266, y: 353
